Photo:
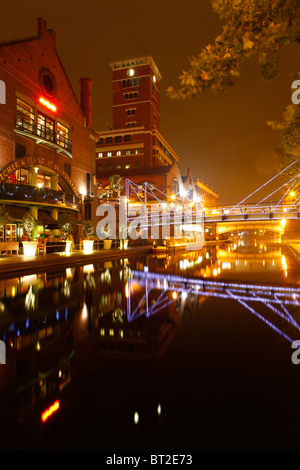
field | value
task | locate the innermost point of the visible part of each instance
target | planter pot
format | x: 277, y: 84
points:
x: 107, y: 244
x: 29, y: 248
x: 123, y: 244
x: 88, y: 246
x: 68, y: 247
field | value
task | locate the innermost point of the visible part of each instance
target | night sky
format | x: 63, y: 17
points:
x: 223, y: 139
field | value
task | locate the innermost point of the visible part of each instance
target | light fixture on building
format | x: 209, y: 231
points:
x: 130, y: 72
x: 47, y: 104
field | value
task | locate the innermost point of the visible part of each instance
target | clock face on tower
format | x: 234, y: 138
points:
x: 130, y: 72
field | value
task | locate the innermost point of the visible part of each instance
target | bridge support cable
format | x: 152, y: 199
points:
x: 289, y: 189
x: 265, y: 184
x: 294, y: 177
x: 294, y: 204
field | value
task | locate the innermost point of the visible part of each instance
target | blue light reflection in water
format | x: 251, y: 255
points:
x: 141, y: 351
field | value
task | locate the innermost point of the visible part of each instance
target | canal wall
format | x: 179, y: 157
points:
x: 20, y: 264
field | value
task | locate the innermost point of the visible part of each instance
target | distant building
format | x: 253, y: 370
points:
x: 47, y: 146
x: 209, y: 196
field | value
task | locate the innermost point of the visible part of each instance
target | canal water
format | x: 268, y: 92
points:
x: 185, y: 352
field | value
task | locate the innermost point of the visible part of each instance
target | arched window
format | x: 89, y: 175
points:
x: 175, y: 187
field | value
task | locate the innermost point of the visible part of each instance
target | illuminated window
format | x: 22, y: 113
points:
x: 45, y: 127
x: 137, y: 151
x: 127, y: 165
x: 118, y: 166
x: 119, y: 153
x: 127, y: 152
x: 31, y: 120
x: 62, y: 135
x: 25, y: 116
x: 20, y: 176
x: 109, y: 154
x: 43, y: 181
x: 100, y: 154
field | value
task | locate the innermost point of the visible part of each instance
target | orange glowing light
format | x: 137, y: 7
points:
x: 47, y: 104
x: 49, y: 411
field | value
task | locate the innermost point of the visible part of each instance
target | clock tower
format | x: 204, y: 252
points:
x: 136, y: 94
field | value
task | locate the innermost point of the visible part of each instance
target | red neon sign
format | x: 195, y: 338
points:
x: 47, y: 104
x: 49, y: 411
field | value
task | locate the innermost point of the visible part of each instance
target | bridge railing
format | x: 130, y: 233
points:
x: 254, y: 212
x: 216, y: 215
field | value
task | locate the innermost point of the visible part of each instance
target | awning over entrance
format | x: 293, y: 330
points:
x: 16, y: 213
x: 44, y: 218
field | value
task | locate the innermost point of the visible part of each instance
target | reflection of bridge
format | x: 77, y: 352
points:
x: 271, y: 304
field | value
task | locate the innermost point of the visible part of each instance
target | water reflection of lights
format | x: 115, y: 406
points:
x: 88, y: 268
x: 84, y: 313
x: 276, y: 298
x: 30, y: 299
x: 106, y: 276
x: 66, y: 288
x: 118, y: 316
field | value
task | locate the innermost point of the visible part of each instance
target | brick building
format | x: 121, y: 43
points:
x: 135, y: 141
x: 47, y: 146
x: 134, y: 148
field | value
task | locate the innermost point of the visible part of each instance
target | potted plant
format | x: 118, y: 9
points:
x: 89, y: 231
x: 123, y: 231
x: 104, y: 232
x: 115, y: 184
x: 29, y: 224
x: 67, y: 224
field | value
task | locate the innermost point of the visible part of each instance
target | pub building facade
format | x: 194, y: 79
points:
x: 47, y: 146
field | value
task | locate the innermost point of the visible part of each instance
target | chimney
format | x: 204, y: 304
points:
x: 41, y: 26
x: 42, y: 31
x: 86, y: 98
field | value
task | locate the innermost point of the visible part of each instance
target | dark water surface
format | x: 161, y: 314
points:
x: 189, y: 352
